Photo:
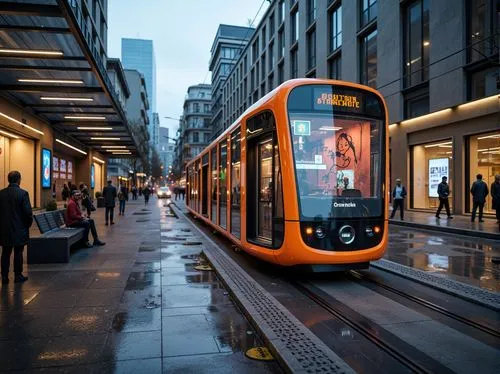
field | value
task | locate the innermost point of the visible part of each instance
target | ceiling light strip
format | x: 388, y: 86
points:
x: 94, y: 128
x: 49, y: 98
x: 20, y: 123
x: 63, y: 81
x: 99, y: 138
x: 9, y: 134
x: 98, y: 160
x: 70, y: 146
x: 113, y: 146
x: 30, y: 52
x: 85, y: 117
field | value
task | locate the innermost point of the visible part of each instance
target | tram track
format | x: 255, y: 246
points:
x: 427, y: 304
x: 406, y: 355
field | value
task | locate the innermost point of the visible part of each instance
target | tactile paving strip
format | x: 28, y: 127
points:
x: 296, y: 347
x: 474, y: 294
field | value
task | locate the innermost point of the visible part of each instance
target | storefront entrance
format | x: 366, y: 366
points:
x: 429, y: 163
x: 9, y: 148
x: 484, y: 159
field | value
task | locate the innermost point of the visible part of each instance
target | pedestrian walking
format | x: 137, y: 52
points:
x: 109, y: 194
x: 16, y: 218
x: 183, y: 192
x: 176, y: 192
x: 122, y: 198
x: 398, y: 196
x: 495, y: 195
x: 140, y: 191
x: 74, y: 218
x: 146, y: 194
x: 443, y: 193
x: 65, y: 194
x: 479, y: 191
x: 134, y: 192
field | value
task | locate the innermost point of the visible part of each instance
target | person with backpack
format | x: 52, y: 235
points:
x: 479, y: 191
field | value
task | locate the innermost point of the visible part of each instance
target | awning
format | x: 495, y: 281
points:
x: 50, y: 64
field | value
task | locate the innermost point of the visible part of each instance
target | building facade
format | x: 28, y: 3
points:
x: 137, y: 104
x: 435, y: 62
x: 138, y: 54
x: 155, y: 140
x: 166, y: 150
x: 226, y: 49
x: 195, y: 130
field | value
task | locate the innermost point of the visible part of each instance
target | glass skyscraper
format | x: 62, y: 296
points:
x: 139, y: 54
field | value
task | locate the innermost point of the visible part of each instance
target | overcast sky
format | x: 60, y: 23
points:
x: 182, y: 32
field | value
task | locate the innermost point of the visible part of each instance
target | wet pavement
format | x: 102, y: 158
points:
x: 461, y: 258
x: 135, y: 305
x: 461, y: 225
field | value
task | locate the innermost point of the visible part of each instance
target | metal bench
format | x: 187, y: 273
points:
x: 55, y: 241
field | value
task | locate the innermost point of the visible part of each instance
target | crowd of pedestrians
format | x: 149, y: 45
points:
x: 479, y: 191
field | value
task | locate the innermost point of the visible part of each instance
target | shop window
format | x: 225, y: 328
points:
x: 484, y: 159
x: 429, y: 163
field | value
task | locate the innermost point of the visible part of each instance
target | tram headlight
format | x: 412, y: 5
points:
x: 377, y: 229
x: 320, y: 232
x: 309, y: 230
x: 369, y: 231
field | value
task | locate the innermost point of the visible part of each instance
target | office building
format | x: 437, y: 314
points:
x: 166, y: 147
x: 138, y: 54
x: 195, y: 129
x: 226, y: 49
x: 435, y: 62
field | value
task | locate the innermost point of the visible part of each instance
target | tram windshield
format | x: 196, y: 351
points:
x: 338, y: 147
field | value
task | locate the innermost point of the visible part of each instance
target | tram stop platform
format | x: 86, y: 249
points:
x: 460, y: 225
x: 136, y: 305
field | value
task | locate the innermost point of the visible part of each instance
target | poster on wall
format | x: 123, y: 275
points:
x: 55, y: 164
x: 62, y: 166
x: 438, y: 168
x: 70, y: 167
x: 92, y: 176
x: 46, y: 159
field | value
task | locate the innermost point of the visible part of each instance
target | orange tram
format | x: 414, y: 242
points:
x: 300, y: 178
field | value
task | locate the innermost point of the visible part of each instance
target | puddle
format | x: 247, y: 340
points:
x: 140, y: 213
x: 192, y: 243
x: 147, y: 248
x: 142, y: 220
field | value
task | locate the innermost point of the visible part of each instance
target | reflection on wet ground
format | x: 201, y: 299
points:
x: 135, y: 305
x: 456, y: 257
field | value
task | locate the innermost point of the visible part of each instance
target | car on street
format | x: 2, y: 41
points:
x: 164, y: 192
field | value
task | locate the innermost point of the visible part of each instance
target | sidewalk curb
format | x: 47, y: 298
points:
x: 447, y: 229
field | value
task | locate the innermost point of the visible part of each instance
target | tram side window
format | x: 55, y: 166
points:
x: 213, y: 211
x: 278, y: 213
x: 235, y: 183
x: 223, y: 184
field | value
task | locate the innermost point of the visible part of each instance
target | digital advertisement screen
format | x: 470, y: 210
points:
x: 46, y: 173
x: 438, y: 168
x: 92, y: 176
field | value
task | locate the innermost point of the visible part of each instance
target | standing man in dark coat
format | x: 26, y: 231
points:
x: 495, y: 195
x: 16, y: 218
x: 479, y: 191
x: 109, y: 194
x: 443, y: 193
